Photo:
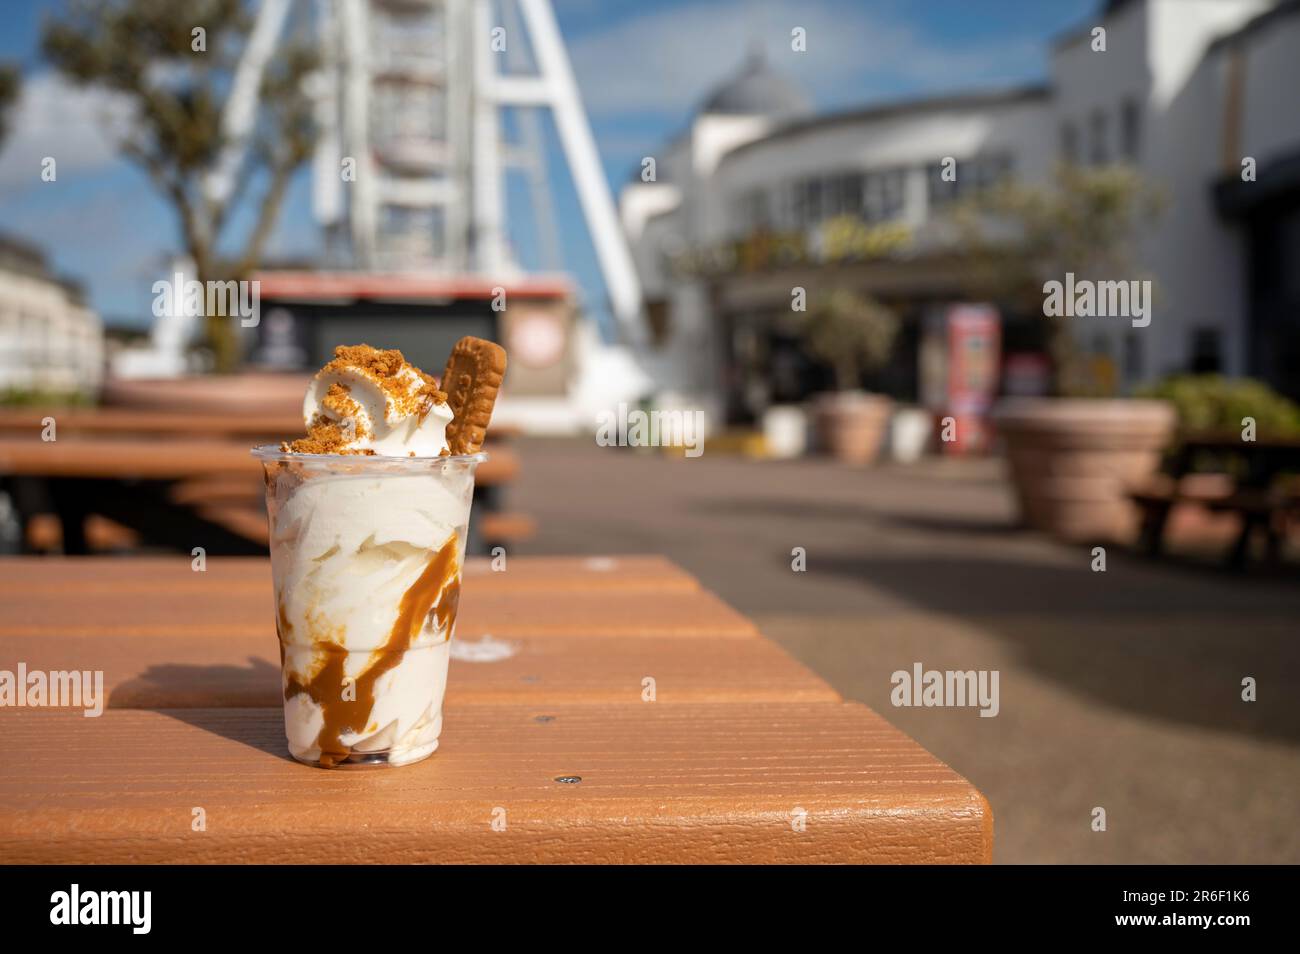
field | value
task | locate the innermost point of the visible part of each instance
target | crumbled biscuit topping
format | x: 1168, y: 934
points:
x: 390, y: 372
x: 325, y: 436
x: 386, y: 369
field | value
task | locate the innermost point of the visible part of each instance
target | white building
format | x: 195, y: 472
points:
x: 50, y: 342
x: 1184, y: 90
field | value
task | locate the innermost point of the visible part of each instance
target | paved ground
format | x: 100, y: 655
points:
x: 1119, y: 689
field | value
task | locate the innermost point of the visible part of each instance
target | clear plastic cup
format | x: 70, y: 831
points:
x: 366, y: 558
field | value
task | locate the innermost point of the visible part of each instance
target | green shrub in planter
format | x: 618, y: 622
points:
x: 1214, y: 404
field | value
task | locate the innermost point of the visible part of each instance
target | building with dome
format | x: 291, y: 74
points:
x: 751, y: 202
x: 757, y: 90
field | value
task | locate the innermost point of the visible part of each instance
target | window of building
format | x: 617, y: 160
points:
x: 1132, y: 356
x: 1207, y: 351
x: 850, y: 194
x: 941, y: 190
x: 1099, y: 145
x: 1130, y: 124
x: 875, y: 196
x: 659, y: 317
x: 806, y: 203
x: 780, y: 206
x: 751, y: 211
x: 882, y: 195
x: 990, y: 171
x: 833, y: 193
x: 1070, y: 143
x: 973, y: 176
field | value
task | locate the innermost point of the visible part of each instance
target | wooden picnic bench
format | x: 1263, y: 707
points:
x: 143, y: 422
x: 1248, y: 483
x: 182, y: 492
x: 138, y: 422
x: 552, y: 752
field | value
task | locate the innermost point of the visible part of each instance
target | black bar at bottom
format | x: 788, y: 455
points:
x: 979, y: 905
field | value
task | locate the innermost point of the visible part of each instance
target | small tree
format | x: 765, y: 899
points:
x: 176, y: 83
x: 1088, y: 221
x: 852, y: 333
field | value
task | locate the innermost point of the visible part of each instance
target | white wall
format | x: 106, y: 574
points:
x: 48, y: 342
x: 1196, y: 258
x: 1085, y: 81
x: 1019, y: 128
x: 891, y: 141
x: 1156, y: 55
x: 1180, y: 31
x: 712, y: 137
x: 646, y: 210
x: 1271, y: 123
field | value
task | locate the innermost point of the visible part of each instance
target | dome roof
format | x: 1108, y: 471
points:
x: 757, y: 90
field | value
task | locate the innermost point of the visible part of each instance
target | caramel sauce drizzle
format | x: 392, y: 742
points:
x: 438, y: 591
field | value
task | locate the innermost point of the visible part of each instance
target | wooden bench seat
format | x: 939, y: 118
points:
x: 248, y: 519
x: 169, y: 423
x: 504, y: 528
x: 131, y: 458
x: 1258, y: 508
x: 1264, y: 465
x: 1262, y: 511
x: 181, y: 491
x: 1194, y: 488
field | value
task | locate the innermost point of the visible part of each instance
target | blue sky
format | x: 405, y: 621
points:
x: 641, y: 65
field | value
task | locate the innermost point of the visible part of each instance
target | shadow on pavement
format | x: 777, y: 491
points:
x: 791, y: 508
x: 1150, y: 642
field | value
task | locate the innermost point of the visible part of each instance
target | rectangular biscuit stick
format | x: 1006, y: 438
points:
x: 472, y: 380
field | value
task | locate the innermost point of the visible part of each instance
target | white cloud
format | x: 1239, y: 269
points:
x: 664, y: 62
x: 54, y: 118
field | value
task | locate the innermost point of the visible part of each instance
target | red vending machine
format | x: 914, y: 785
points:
x: 960, y: 368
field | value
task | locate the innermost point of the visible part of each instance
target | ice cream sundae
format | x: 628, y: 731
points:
x: 368, y: 519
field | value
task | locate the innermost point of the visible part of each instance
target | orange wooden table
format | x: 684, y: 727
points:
x: 743, y: 755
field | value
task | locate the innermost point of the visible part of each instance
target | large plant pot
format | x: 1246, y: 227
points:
x: 1073, y: 462
x: 851, y: 425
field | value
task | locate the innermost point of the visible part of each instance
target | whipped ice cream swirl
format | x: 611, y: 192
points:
x: 368, y: 401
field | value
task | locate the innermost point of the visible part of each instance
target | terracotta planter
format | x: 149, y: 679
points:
x: 1072, y: 462
x: 851, y: 425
